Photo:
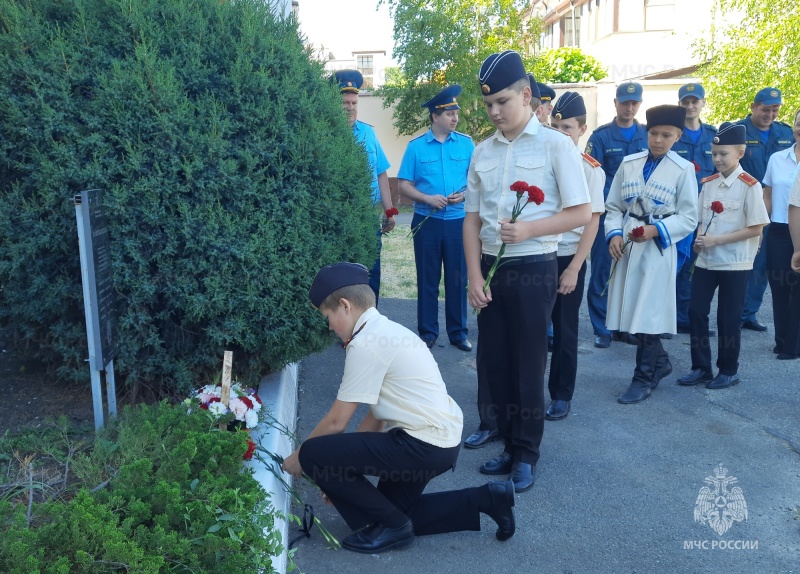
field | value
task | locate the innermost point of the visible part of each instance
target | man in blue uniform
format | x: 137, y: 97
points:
x: 765, y: 136
x: 609, y: 144
x: 695, y: 147
x: 350, y: 82
x: 547, y: 96
x: 433, y: 174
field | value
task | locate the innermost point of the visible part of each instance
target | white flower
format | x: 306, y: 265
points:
x: 251, y: 419
x: 239, y: 408
x: 217, y: 409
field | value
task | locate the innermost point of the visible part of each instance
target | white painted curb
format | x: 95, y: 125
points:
x: 278, y: 393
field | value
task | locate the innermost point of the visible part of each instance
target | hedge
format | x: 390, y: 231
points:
x: 230, y: 176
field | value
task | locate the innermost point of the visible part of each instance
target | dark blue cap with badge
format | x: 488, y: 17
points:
x: 695, y: 90
x: 333, y: 277
x: 534, y: 87
x: 569, y: 105
x: 350, y: 81
x: 548, y: 94
x: 444, y: 100
x: 629, y: 91
x: 768, y: 97
x: 499, y: 71
x: 666, y: 115
x: 730, y: 134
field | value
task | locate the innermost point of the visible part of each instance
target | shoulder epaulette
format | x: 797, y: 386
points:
x: 462, y: 134
x: 637, y: 155
x: 747, y: 178
x: 709, y: 178
x: 603, y: 127
x: 784, y: 124
x: 366, y: 124
x: 419, y: 136
x: 590, y: 160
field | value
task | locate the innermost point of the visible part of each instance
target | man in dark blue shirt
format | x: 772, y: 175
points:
x: 609, y: 144
x: 695, y: 147
x: 765, y: 136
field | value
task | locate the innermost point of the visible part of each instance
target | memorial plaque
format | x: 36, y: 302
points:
x: 102, y: 310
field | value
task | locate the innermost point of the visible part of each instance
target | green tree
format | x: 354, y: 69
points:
x: 567, y: 65
x: 441, y: 42
x: 230, y: 176
x: 743, y: 59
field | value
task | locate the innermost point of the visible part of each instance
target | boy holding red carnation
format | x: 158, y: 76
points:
x: 516, y: 306
x: 653, y: 204
x: 732, y: 213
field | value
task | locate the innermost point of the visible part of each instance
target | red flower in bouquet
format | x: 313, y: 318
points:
x: 391, y: 212
x: 532, y: 194
x: 716, y: 208
x: 638, y: 232
x: 251, y: 449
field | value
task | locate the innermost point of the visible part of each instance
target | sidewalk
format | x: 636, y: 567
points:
x: 616, y: 484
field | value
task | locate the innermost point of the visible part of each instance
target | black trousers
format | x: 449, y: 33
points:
x: 404, y: 465
x: 564, y: 359
x: 512, y: 353
x: 785, y: 286
x: 730, y: 301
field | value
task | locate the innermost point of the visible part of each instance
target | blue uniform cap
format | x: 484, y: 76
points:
x: 333, y: 277
x: 768, y: 97
x: 730, y: 134
x: 629, y: 91
x: 695, y: 90
x: 666, y: 115
x: 444, y: 100
x: 499, y: 71
x: 350, y: 81
x: 569, y: 105
x: 534, y: 87
x: 548, y: 94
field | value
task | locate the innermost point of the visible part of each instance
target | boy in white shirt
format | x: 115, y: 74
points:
x: 731, y: 212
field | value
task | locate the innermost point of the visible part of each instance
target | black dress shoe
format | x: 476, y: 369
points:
x: 462, y: 345
x: 602, y: 341
x: 430, y: 342
x: 787, y: 357
x: 723, y: 381
x: 502, y: 511
x: 500, y: 464
x: 754, y: 325
x: 557, y: 410
x: 695, y: 378
x: 481, y: 438
x: 522, y: 475
x: 378, y: 538
x: 636, y: 393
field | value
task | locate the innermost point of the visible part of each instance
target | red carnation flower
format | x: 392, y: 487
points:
x: 391, y: 212
x: 696, y: 166
x: 519, y: 187
x: 717, y: 207
x: 204, y: 406
x: 251, y: 449
x: 214, y: 400
x: 247, y: 402
x: 638, y: 232
x: 535, y: 194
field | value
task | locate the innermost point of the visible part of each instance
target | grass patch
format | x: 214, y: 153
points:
x: 398, y: 268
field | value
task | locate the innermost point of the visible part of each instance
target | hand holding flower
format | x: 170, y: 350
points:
x: 616, y: 247
x: 642, y: 234
x: 291, y: 464
x: 437, y: 201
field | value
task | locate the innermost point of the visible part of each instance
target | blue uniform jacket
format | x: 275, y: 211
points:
x: 435, y: 167
x: 378, y: 163
x: 699, y: 153
x: 608, y: 146
x: 757, y: 153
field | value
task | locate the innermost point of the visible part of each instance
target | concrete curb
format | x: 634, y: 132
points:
x: 278, y: 393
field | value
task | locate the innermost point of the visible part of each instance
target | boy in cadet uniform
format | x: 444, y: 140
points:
x: 569, y: 117
x: 516, y: 306
x: 765, y: 136
x: 651, y: 206
x: 726, y: 245
x: 694, y: 146
x: 410, y: 435
x: 350, y: 82
x: 609, y: 144
x: 433, y: 174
